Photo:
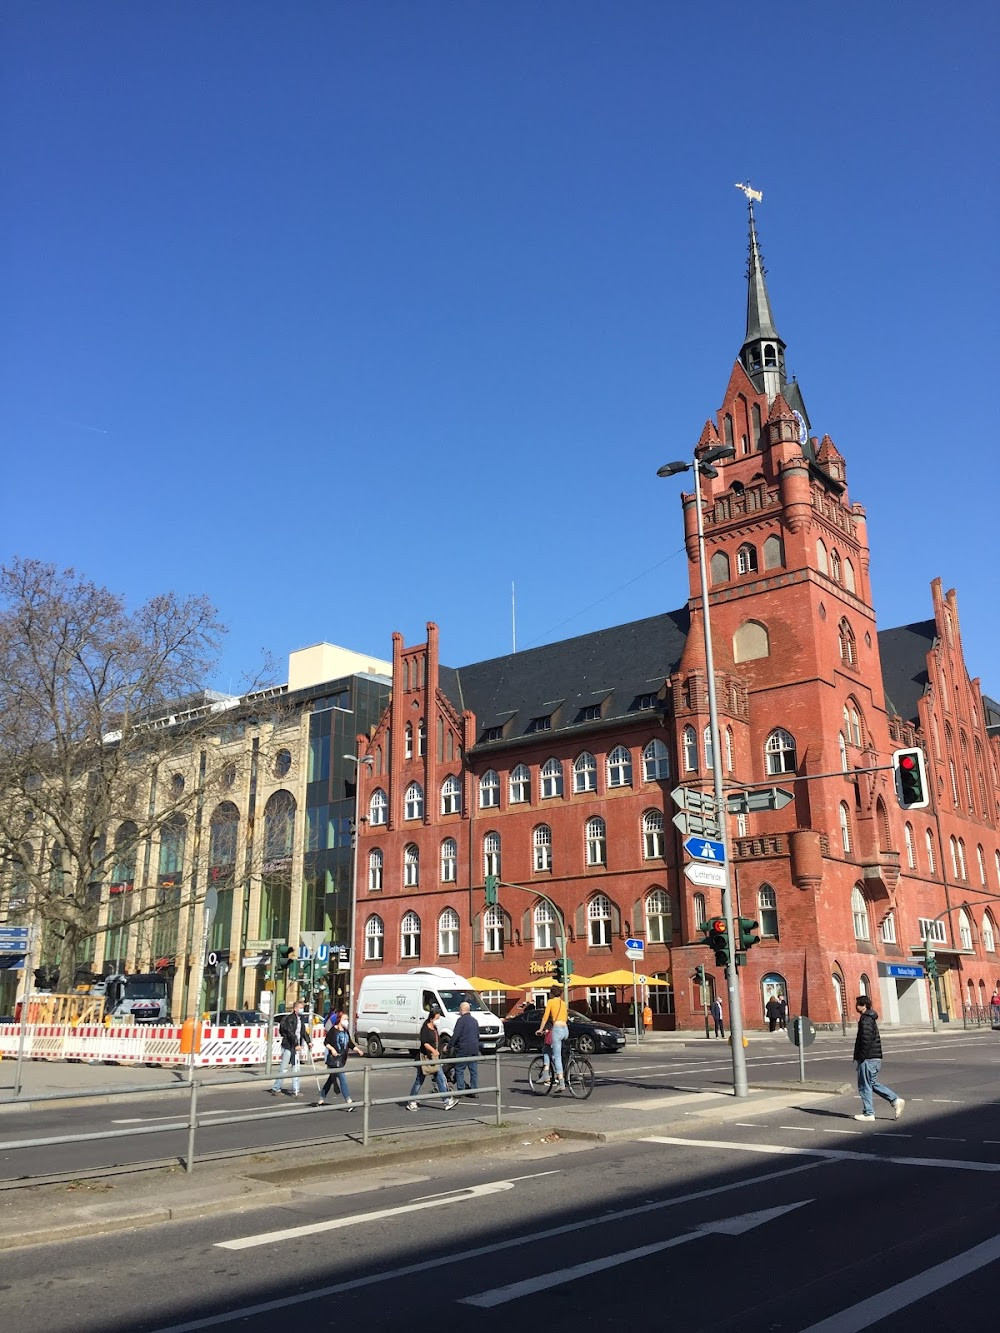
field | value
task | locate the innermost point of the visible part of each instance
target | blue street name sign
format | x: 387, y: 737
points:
x: 704, y: 849
x: 14, y: 934
x: 900, y: 970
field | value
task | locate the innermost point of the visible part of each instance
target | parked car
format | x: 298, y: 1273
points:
x: 586, y: 1035
x: 240, y: 1018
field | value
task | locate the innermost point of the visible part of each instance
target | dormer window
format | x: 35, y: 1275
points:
x: 493, y: 734
x: 541, y: 723
x: 646, y: 701
x: 591, y: 713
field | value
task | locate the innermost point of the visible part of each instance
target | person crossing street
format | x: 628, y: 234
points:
x: 868, y: 1059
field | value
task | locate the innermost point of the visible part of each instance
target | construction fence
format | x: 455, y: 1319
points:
x: 146, y: 1044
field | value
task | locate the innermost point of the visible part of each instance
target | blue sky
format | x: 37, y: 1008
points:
x: 349, y: 315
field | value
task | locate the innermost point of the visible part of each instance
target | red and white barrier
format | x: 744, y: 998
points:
x: 154, y: 1045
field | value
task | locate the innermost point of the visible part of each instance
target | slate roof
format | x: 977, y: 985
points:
x: 904, y: 666
x: 612, y: 667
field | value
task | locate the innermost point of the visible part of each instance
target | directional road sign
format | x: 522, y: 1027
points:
x: 312, y: 939
x: 700, y: 802
x: 705, y: 826
x: 636, y: 955
x: 322, y: 952
x: 765, y: 798
x: 704, y: 849
x: 705, y: 875
x: 15, y: 934
x: 635, y: 944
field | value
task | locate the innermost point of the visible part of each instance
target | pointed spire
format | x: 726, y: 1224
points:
x: 760, y: 320
x: 763, y: 352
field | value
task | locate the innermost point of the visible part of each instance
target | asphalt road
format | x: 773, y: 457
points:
x: 799, y: 1219
x: 632, y: 1077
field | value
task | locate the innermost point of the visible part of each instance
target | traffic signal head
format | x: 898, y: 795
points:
x: 930, y: 962
x: 492, y: 884
x: 560, y: 972
x: 286, y: 955
x: 718, y: 940
x: 699, y: 975
x: 749, y: 933
x: 911, y: 779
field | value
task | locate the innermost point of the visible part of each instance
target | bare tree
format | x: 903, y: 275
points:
x: 99, y: 704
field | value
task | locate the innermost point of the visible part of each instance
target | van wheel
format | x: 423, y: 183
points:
x: 374, y: 1047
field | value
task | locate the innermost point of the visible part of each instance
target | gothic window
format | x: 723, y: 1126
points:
x: 963, y: 868
x: 489, y: 790
x: 755, y: 417
x: 882, y: 827
x: 408, y: 741
x: 859, y: 911
x: 746, y: 559
x: 690, y: 745
x: 989, y: 934
x: 449, y: 861
x: 541, y: 843
x: 729, y: 749
x: 849, y: 582
x: 491, y: 854
x: 842, y: 746
x: 620, y: 767
x: 374, y: 940
x: 888, y: 929
x: 659, y: 922
x: 599, y: 921
x: 774, y: 554
x: 585, y: 772
x: 845, y: 827
x: 422, y: 738
x: 836, y: 568
x: 964, y: 929
x: 720, y: 567
x: 451, y: 796
x: 700, y: 911
x: 596, y: 840
x: 707, y: 739
x: 377, y: 807
x: 448, y: 926
x: 981, y: 858
x: 520, y: 785
x: 848, y: 647
x: 929, y: 845
x: 767, y: 911
x: 552, y: 778
x: 750, y: 642
x: 375, y: 870
x: 911, y: 855
x: 655, y: 762
x: 410, y: 936
x: 411, y: 865
x: 413, y: 802
x: 822, y: 564
x: 727, y: 429
x: 652, y: 835
x: 779, y: 752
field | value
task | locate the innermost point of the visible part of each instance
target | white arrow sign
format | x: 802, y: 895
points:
x: 705, y: 875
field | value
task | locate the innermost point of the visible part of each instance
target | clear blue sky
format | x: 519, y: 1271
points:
x: 350, y: 314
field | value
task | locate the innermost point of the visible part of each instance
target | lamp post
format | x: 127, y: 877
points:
x: 701, y: 465
x: 368, y: 761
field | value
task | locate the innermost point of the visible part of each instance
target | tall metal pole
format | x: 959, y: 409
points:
x: 740, y: 1087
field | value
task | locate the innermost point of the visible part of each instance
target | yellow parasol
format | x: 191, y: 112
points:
x: 484, y: 983
x: 542, y: 983
x: 623, y: 978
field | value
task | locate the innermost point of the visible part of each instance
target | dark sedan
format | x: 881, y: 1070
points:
x: 586, y: 1035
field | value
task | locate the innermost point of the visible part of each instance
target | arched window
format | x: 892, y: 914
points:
x: 599, y: 921
x: 690, y: 745
x: 489, y: 790
x: 491, y: 854
x: 655, y: 762
x: 652, y: 835
x: 779, y: 752
x: 964, y: 929
x: 374, y: 940
x: 845, y: 826
x: 929, y: 844
x: 836, y: 568
x: 411, y: 865
x: 127, y: 841
x: 865, y: 985
x: 659, y: 922
x: 911, y: 855
x: 541, y: 846
x: 409, y: 936
x: 449, y: 861
x: 822, y: 564
x: 493, y: 930
x: 989, y: 934
x: 585, y: 772
x: 767, y: 911
x: 729, y: 750
x: 707, y: 740
x: 448, y: 926
x: 700, y: 911
x: 853, y: 719
x: 520, y: 785
x: 620, y: 767
x: 981, y: 858
x: 774, y: 553
x: 882, y: 827
x: 451, y: 796
x: 848, y: 648
x: 953, y: 848
x: 377, y: 807
x: 888, y: 928
x: 750, y: 642
x: 279, y: 826
x: 746, y: 559
x: 375, y: 870
x: 223, y: 833
x: 422, y: 738
x: 596, y: 839
x: 408, y: 741
x: 413, y: 802
x: 552, y: 778
x: 720, y: 567
x: 842, y: 746
x: 849, y: 582
x: 545, y: 927
x: 758, y: 443
x: 963, y: 868
x: 859, y: 911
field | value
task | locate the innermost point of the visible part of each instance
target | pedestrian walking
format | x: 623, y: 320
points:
x: 716, y: 1011
x: 294, y: 1032
x: 995, y: 1005
x: 556, y: 1013
x: 430, y: 1062
x: 783, y: 1015
x: 773, y: 1011
x: 339, y: 1044
x: 868, y: 1058
x: 465, y: 1049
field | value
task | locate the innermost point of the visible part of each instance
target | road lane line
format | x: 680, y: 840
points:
x: 884, y: 1303
x: 831, y: 1154
x: 512, y: 1180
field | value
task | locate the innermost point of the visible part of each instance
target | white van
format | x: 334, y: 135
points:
x: 392, y: 1007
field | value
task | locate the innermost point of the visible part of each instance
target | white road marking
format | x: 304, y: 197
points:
x: 884, y: 1303
x: 732, y: 1226
x: 832, y: 1154
x: 941, y: 1138
x: 148, y: 1119
x: 512, y: 1180
x: 802, y: 1129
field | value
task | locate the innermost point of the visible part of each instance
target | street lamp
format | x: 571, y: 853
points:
x: 369, y: 762
x: 701, y: 465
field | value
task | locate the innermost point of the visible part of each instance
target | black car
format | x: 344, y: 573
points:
x: 586, y: 1035
x: 241, y: 1018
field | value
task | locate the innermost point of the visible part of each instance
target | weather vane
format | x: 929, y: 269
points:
x: 750, y: 192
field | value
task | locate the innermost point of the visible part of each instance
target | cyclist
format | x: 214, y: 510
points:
x: 556, y: 1013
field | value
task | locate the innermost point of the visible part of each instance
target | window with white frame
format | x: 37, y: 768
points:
x: 859, y: 911
x: 659, y: 921
x: 552, y: 778
x: 493, y: 930
x: 746, y: 559
x: 700, y: 914
x: 963, y: 869
x: 652, y: 835
x: 601, y: 999
x: 375, y: 870
x: 620, y: 767
x: 931, y: 931
x: 707, y: 737
x: 520, y: 785
x: 545, y: 927
x: 585, y: 772
x: 541, y: 848
x: 377, y: 807
x: 911, y: 855
x: 742, y: 825
x: 888, y: 929
x: 449, y: 861
x: 845, y: 826
x: 599, y: 921
x: 989, y: 935
x: 856, y: 737
x: 448, y: 931
x: 729, y: 750
x: 981, y: 858
x: 491, y: 854
x: 451, y: 796
x: 374, y: 939
x: 779, y: 752
x: 413, y: 802
x: 929, y: 846
x: 689, y: 744
x: 411, y: 865
x: 655, y: 762
x: 409, y: 936
x: 597, y: 839
x: 408, y: 741
x: 964, y: 930
x: 422, y: 738
x: 842, y: 748
x: 489, y: 790
x: 767, y: 911
x: 953, y: 849
x: 848, y: 648
x: 836, y: 568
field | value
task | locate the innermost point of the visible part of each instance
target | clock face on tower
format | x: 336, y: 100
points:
x: 803, y: 429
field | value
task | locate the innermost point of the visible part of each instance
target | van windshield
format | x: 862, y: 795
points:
x: 452, y: 999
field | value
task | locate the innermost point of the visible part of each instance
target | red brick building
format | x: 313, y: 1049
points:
x: 553, y: 767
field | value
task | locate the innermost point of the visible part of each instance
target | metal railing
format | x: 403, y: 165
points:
x: 981, y: 1016
x: 192, y: 1122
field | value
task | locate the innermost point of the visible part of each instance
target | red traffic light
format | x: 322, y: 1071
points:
x: 719, y: 924
x: 907, y: 761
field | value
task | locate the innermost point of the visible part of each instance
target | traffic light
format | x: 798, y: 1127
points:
x: 563, y: 970
x: 748, y: 933
x: 911, y: 779
x: 286, y: 956
x: 492, y: 883
x: 699, y: 975
x: 717, y: 939
x: 930, y: 962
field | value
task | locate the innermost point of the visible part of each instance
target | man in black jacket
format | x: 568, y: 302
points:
x: 295, y: 1038
x: 465, y: 1043
x: 868, y: 1058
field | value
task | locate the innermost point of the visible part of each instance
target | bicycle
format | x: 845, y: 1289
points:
x: 577, y: 1071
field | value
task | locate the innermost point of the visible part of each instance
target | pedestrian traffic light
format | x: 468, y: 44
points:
x: 930, y: 962
x: 492, y: 884
x: 717, y: 939
x: 911, y: 779
x: 699, y: 975
x: 749, y: 935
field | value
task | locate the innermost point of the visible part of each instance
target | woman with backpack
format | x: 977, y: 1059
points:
x: 339, y: 1043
